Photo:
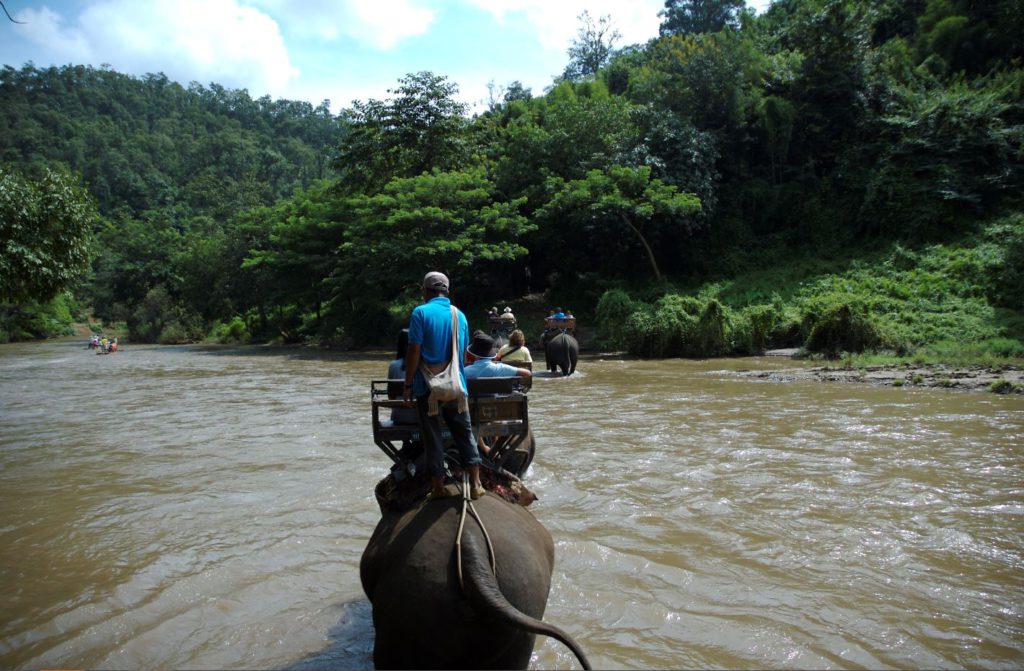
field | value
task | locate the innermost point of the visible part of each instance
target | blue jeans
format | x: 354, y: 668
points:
x: 461, y: 428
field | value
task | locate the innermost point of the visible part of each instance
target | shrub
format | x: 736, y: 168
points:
x: 641, y: 336
x: 172, y: 333
x: 147, y: 322
x: 741, y: 335
x: 711, y: 330
x: 613, y: 309
x: 1009, y: 282
x: 1007, y: 348
x: 675, y: 318
x: 160, y: 318
x: 32, y: 319
x: 234, y: 331
x: 335, y: 339
x: 756, y: 325
x: 177, y: 331
x: 838, y: 324
x: 1003, y: 386
x: 902, y: 259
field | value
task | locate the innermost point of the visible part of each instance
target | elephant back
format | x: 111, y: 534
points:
x: 421, y: 617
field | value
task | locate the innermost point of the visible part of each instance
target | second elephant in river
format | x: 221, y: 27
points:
x: 561, y: 353
x: 410, y: 572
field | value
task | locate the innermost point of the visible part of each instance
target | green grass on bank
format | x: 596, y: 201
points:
x: 954, y: 302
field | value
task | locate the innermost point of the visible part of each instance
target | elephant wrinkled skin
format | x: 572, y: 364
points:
x: 421, y: 616
x: 561, y: 352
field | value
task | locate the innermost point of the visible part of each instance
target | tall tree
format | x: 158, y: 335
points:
x: 593, y: 46
x: 46, y: 226
x: 600, y: 204
x: 699, y: 16
x: 420, y: 129
x: 450, y: 220
x: 453, y: 221
x: 301, y: 249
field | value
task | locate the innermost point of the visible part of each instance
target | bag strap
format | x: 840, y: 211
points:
x: 514, y: 349
x: 455, y: 335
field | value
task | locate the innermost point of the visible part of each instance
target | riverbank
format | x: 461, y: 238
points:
x: 999, y: 379
x: 1003, y: 379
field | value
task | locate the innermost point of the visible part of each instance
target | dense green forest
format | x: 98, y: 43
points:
x: 839, y: 175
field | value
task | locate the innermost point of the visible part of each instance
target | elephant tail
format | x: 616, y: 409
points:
x: 484, y: 593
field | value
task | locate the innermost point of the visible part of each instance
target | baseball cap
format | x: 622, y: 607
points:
x: 435, y: 280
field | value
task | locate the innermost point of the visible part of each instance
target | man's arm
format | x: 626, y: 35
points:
x: 527, y: 377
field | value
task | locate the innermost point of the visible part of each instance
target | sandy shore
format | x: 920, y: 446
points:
x: 969, y: 378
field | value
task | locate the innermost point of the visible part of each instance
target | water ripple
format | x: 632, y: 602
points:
x: 173, y: 507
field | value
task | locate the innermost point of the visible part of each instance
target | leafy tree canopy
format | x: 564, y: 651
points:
x: 604, y: 201
x: 593, y: 46
x: 812, y: 126
x: 421, y: 128
x: 46, y: 226
x: 449, y: 220
x: 699, y: 16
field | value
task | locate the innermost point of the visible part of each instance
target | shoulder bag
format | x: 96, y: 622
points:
x: 446, y: 386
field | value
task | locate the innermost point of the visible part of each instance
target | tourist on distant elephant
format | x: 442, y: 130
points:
x: 493, y: 319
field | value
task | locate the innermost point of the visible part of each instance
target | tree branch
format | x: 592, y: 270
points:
x: 9, y: 14
x: 643, y: 240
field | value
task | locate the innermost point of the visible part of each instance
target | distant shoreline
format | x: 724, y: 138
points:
x: 1000, y: 379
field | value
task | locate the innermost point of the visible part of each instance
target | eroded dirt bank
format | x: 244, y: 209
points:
x: 1002, y: 379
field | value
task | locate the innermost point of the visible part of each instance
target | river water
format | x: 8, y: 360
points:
x: 201, y: 507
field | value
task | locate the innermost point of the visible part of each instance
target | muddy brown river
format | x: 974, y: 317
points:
x: 206, y: 507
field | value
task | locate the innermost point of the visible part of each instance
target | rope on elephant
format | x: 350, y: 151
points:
x: 467, y: 505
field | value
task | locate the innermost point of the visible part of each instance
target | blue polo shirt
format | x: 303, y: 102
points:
x: 490, y: 368
x: 430, y: 327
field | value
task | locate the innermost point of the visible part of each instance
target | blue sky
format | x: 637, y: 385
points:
x: 341, y: 50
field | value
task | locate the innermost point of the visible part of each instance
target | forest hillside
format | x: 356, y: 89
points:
x: 836, y: 175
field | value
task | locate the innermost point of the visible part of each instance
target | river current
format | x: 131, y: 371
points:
x: 206, y: 507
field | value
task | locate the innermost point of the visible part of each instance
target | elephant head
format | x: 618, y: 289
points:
x: 425, y: 617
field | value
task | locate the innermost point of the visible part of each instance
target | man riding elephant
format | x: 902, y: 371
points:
x: 431, y: 341
x: 561, y: 349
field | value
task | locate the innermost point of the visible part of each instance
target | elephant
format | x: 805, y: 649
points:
x: 410, y: 573
x: 561, y: 352
x: 500, y: 335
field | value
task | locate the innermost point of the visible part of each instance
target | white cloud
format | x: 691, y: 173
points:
x: 380, y: 24
x: 348, y: 49
x: 204, y: 40
x: 556, y: 21
x: 390, y: 21
x: 45, y: 27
